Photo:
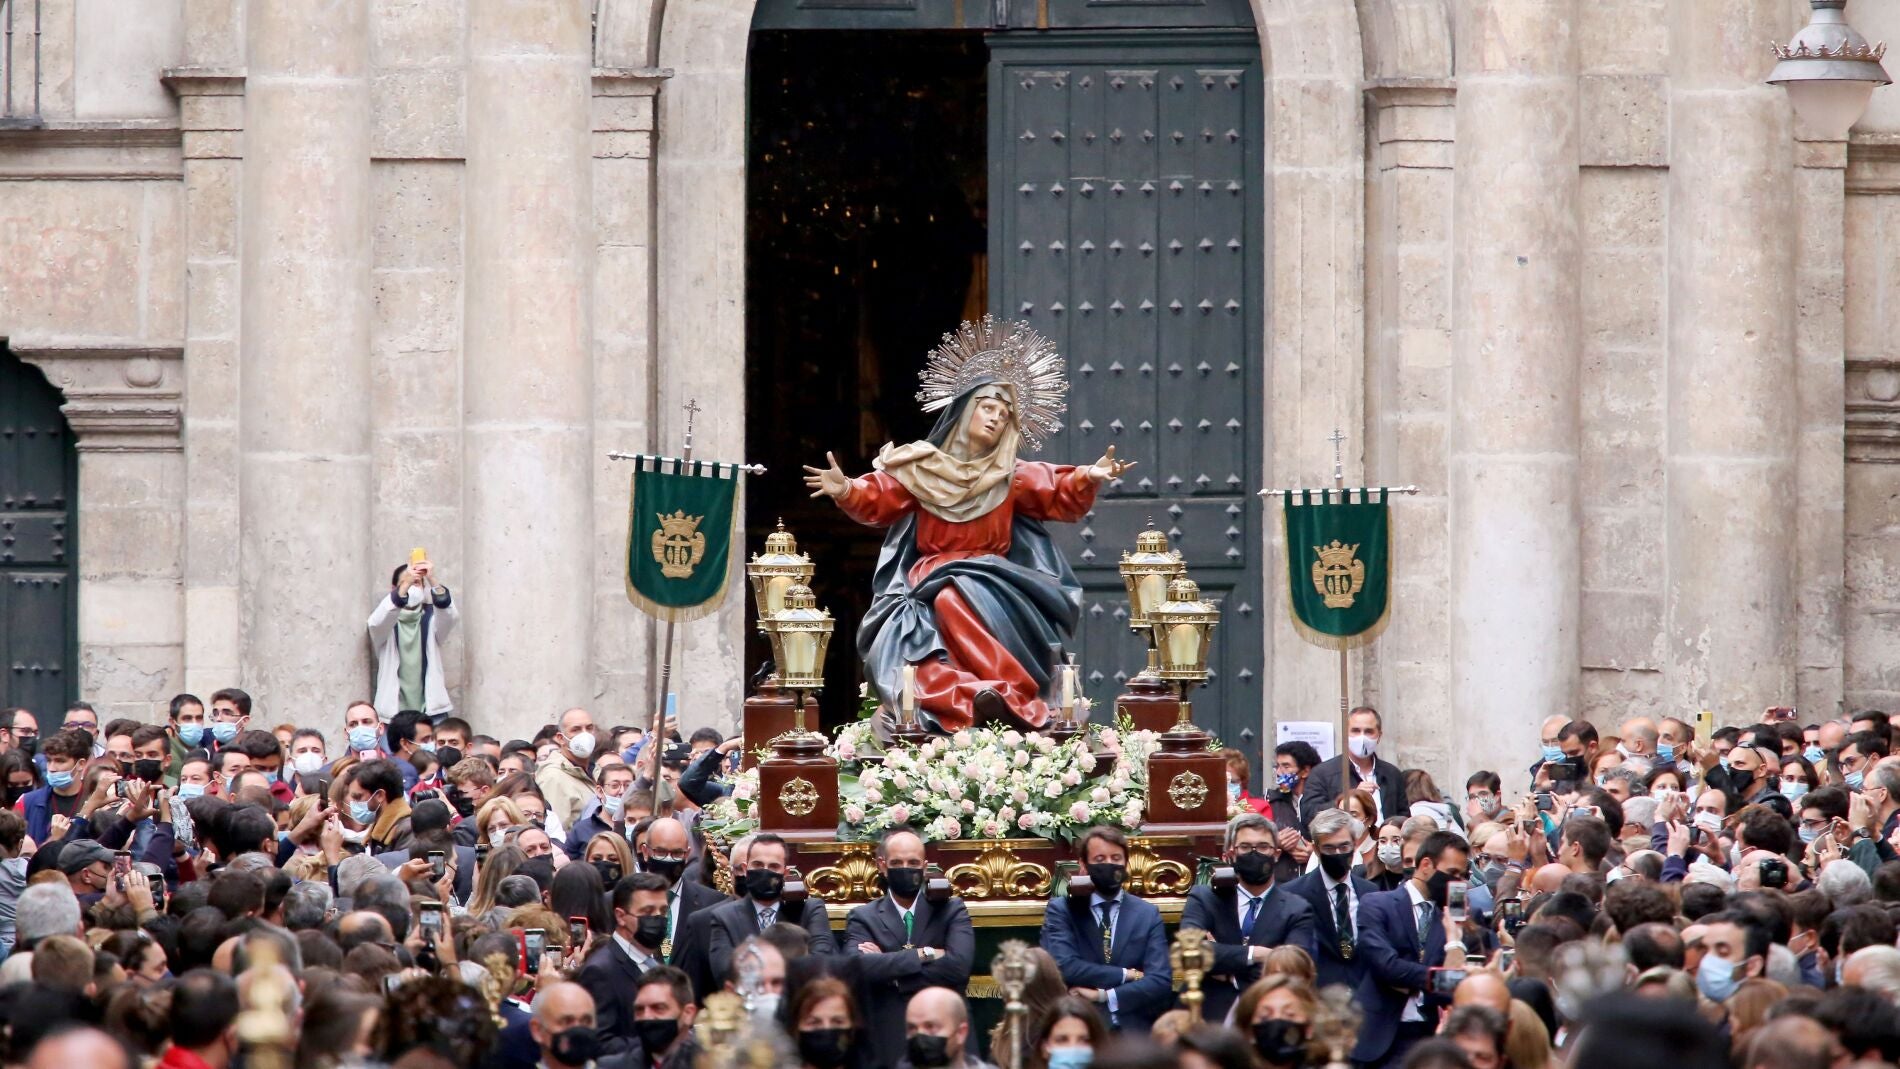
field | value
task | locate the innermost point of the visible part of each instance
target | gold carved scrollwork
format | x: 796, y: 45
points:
x: 999, y: 873
x: 798, y: 797
x: 722, y: 870
x: 854, y: 878
x: 1187, y: 790
x: 1151, y: 874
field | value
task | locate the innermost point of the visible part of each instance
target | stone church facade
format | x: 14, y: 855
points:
x: 322, y: 281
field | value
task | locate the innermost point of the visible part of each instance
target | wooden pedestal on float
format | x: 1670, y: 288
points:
x: 798, y: 790
x: 769, y: 713
x: 1152, y: 704
x: 1187, y: 785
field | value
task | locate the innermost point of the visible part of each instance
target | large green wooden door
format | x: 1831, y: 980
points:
x: 1126, y: 200
x: 39, y: 471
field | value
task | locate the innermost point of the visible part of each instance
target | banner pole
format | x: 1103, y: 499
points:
x: 1345, y: 671
x: 666, y: 646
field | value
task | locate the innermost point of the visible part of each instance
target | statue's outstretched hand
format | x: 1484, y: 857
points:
x: 1106, y: 468
x: 830, y: 481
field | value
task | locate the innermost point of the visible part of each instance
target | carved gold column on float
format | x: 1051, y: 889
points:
x: 1149, y: 700
x: 798, y: 784
x: 1187, y: 782
x: 1189, y: 958
x: 768, y: 711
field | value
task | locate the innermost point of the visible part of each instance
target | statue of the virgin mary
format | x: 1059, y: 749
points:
x: 969, y: 588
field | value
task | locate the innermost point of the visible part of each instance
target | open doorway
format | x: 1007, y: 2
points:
x: 866, y: 240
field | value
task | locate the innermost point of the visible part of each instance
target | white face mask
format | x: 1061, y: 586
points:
x: 354, y: 836
x: 498, y: 837
x: 581, y: 745
x: 764, y: 1007
x: 307, y: 762
x: 1362, y: 746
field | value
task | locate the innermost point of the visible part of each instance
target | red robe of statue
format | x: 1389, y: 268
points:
x: 977, y: 662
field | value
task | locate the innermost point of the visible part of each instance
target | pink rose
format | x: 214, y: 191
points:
x: 1071, y: 778
x: 1026, y: 821
x: 1079, y: 812
x: 853, y: 815
x: 846, y: 751
x: 951, y: 829
x: 900, y: 814
x: 968, y: 806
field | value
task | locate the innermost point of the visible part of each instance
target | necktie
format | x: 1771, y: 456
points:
x: 666, y: 943
x: 767, y: 917
x: 1253, y: 914
x: 1424, y: 926
x: 909, y: 919
x: 1342, y: 921
x: 1108, y: 932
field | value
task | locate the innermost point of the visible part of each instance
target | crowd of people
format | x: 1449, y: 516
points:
x: 192, y: 893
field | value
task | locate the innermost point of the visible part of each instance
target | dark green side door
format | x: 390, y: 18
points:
x: 39, y: 474
x: 1126, y: 199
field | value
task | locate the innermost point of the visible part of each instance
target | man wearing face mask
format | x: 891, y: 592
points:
x: 1406, y: 934
x: 762, y: 906
x: 1247, y: 921
x: 937, y: 1031
x: 563, y: 1027
x: 185, y: 732
x: 1334, y: 892
x: 1110, y: 945
x: 409, y: 733
x: 376, y: 802
x: 1358, y: 769
x: 663, y: 1014
x: 611, y: 974
x: 66, y: 754
x: 1750, y: 776
x: 903, y: 942
x: 692, y: 929
x: 606, y: 811
x: 1735, y: 948
x: 563, y: 776
x: 663, y: 852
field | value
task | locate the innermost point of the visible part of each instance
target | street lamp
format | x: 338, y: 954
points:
x: 800, y: 632
x: 776, y: 571
x: 1182, y: 626
x: 1829, y: 70
x: 1145, y: 573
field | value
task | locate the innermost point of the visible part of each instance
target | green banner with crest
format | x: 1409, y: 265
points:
x: 1339, y: 565
x: 679, y: 536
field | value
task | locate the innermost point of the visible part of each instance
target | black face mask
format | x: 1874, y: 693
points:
x: 1438, y: 888
x: 125, y: 770
x: 904, y: 881
x: 650, y: 932
x: 764, y: 885
x: 1108, y: 878
x: 656, y: 1034
x: 928, y: 1052
x: 29, y: 744
x: 463, y: 807
x: 1280, y: 1042
x: 149, y: 769
x: 825, y: 1048
x: 1253, y: 867
x: 575, y: 1046
x: 667, y: 868
x: 1335, y: 865
x: 609, y: 872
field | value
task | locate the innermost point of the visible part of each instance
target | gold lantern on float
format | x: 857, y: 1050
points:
x: 776, y: 571
x: 1183, y: 625
x: 1146, y: 573
x: 800, y: 633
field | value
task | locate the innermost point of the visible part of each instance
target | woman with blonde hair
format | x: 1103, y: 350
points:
x: 501, y: 864
x: 1290, y: 961
x: 1278, y: 1012
x: 1526, y: 1041
x: 611, y: 857
x: 495, y: 818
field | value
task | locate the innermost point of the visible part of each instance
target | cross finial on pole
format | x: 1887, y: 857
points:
x: 1339, y: 467
x: 692, y: 411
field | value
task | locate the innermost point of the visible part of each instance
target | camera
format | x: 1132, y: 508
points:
x: 1774, y: 872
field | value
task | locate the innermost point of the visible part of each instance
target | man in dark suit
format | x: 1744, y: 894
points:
x: 1334, y: 891
x: 1359, y: 768
x: 1247, y: 921
x: 429, y: 827
x: 692, y: 931
x: 1111, y: 946
x: 663, y: 851
x: 903, y: 942
x: 1404, y: 935
x: 732, y: 923
x: 612, y: 972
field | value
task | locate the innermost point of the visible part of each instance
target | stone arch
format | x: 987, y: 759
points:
x: 1314, y: 323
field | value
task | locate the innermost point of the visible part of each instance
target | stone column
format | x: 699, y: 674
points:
x: 1514, y: 516
x: 527, y: 375
x: 1731, y: 386
x: 303, y: 423
x: 1820, y: 456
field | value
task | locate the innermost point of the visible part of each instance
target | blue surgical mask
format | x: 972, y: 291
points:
x: 362, y: 813
x: 224, y: 732
x: 1853, y: 780
x: 1723, y: 761
x: 191, y: 790
x: 364, y: 738
x: 1553, y: 754
x: 1286, y: 780
x: 426, y: 747
x: 270, y: 777
x: 1815, y: 755
x: 191, y: 734
x: 1715, y: 978
x: 59, y: 781
x: 1665, y: 752
x: 1793, y: 791
x: 1070, y: 1058
x: 1808, y: 835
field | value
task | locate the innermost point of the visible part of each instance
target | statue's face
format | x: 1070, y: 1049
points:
x: 988, y: 417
